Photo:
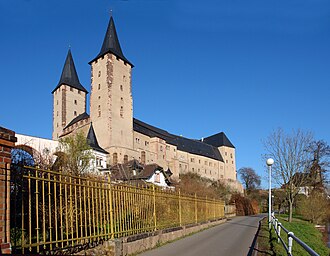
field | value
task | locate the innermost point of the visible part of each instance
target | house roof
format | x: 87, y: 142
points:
x: 218, y: 140
x: 111, y: 44
x: 188, y: 145
x: 77, y: 119
x: 69, y: 75
x: 92, y: 141
x: 125, y: 171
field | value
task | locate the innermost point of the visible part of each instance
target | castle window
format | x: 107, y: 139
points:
x: 121, y: 100
x: 56, y: 102
x: 121, y: 111
x: 99, y: 73
x: 199, y: 161
x: 75, y: 102
x: 143, y: 157
x: 121, y: 87
x: 125, y: 159
x: 226, y: 161
x: 56, y: 113
x: 71, y: 89
x: 124, y: 79
x: 205, y: 162
x: 231, y: 155
x: 99, y: 87
x: 57, y: 125
x: 115, y: 158
x: 193, y: 169
x: 99, y: 97
x: 74, y: 113
x: 79, y: 92
x: 225, y: 153
x: 161, y: 148
x: 167, y: 147
x: 99, y: 110
x: 192, y: 160
x: 146, y: 143
x: 232, y: 162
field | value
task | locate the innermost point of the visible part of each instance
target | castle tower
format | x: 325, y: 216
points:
x: 69, y: 97
x: 227, y: 150
x: 111, y: 103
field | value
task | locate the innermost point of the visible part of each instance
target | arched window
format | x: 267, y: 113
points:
x: 114, y: 158
x: 125, y: 159
x: 143, y: 157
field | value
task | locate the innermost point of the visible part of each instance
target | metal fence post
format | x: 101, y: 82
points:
x: 290, y: 240
x: 278, y: 231
x: 180, y: 214
x: 195, y: 208
x: 111, y: 207
x: 154, y: 199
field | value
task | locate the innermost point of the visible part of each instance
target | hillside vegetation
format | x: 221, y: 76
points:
x: 302, y: 229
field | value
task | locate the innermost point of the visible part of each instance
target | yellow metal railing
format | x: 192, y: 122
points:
x: 62, y: 211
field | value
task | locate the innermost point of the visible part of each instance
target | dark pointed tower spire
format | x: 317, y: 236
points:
x: 92, y: 141
x: 111, y: 44
x: 69, y: 75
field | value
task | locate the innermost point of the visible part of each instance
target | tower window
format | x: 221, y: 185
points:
x: 121, y: 111
x: 121, y: 87
x: 99, y: 87
x: 124, y: 79
x: 74, y: 113
x: 115, y: 158
x: 56, y: 113
x: 125, y: 159
x: 99, y: 97
x: 99, y: 73
x: 99, y: 110
x: 71, y: 89
x: 56, y: 102
x: 79, y: 92
x: 75, y: 102
x: 143, y: 157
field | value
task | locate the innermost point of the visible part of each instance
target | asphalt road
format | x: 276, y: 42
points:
x: 232, y: 238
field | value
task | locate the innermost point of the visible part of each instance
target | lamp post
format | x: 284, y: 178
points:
x: 270, y: 162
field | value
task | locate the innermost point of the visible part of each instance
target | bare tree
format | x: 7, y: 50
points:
x: 250, y: 179
x: 291, y: 161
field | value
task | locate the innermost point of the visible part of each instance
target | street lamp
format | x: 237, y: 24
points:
x: 270, y: 162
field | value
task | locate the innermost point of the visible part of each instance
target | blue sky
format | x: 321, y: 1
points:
x: 201, y: 67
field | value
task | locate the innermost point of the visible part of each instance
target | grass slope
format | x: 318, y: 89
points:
x: 302, y: 229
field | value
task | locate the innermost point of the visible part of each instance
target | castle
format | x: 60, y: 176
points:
x: 124, y: 137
